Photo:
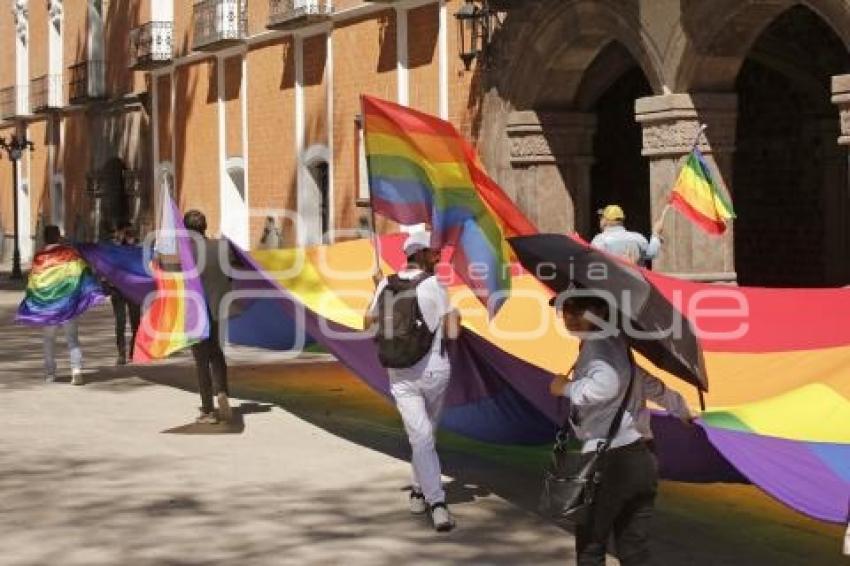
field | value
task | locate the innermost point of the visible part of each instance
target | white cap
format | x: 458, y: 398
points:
x: 416, y: 241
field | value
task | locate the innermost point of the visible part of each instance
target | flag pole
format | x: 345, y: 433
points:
x: 374, y: 227
x: 699, y: 134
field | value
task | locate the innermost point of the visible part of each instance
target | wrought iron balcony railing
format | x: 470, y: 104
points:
x: 14, y: 102
x: 291, y: 14
x: 87, y: 82
x: 46, y: 93
x: 218, y: 23
x: 151, y: 45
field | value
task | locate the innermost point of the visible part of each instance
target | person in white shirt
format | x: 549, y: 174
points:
x: 419, y: 390
x: 616, y: 240
x: 596, y: 386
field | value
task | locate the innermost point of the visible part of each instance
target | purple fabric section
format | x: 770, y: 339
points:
x: 789, y: 470
x: 121, y: 266
x: 685, y: 453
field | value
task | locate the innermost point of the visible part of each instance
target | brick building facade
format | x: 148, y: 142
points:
x: 249, y: 109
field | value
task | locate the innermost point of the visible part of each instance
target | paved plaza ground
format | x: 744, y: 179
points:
x: 313, y: 471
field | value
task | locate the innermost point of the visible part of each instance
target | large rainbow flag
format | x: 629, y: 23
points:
x: 697, y: 196
x: 177, y: 315
x: 60, y: 287
x: 421, y: 170
x: 778, y: 411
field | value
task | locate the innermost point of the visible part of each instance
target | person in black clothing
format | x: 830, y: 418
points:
x: 122, y: 307
x: 209, y: 358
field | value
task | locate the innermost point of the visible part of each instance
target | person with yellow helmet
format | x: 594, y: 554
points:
x: 616, y: 240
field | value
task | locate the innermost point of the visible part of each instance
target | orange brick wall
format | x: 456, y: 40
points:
x: 74, y: 32
x: 120, y: 19
x: 364, y: 62
x: 461, y: 105
x: 271, y: 115
x: 182, y: 39
x: 7, y: 47
x: 233, y: 105
x: 37, y: 40
x: 163, y: 92
x: 73, y: 161
x: 258, y: 16
x: 196, y: 134
x: 423, y: 27
x: 315, y: 90
x: 37, y: 173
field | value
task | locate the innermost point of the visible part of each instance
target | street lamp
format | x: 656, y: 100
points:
x: 474, y: 29
x: 14, y: 150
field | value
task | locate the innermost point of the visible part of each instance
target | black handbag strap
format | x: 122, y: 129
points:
x: 618, y: 418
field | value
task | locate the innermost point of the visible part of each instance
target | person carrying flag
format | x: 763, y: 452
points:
x: 616, y: 240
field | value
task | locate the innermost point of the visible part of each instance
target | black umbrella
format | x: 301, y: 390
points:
x: 562, y: 263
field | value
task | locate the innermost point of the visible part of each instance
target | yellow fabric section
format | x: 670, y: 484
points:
x: 434, y: 147
x: 700, y: 195
x: 445, y: 174
x: 814, y: 413
x: 57, y: 275
x: 335, y: 281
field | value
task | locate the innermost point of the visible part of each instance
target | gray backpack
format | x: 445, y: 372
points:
x: 403, y: 337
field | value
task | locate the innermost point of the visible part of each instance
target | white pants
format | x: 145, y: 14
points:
x: 420, y: 402
x: 73, y: 346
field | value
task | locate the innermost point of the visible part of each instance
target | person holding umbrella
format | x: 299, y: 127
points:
x: 603, y: 378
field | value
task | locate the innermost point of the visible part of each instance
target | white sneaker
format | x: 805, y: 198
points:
x: 442, y: 519
x: 77, y: 376
x: 417, y: 502
x: 225, y: 413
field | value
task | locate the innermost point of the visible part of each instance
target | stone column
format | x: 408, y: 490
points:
x: 670, y: 123
x: 837, y: 206
x: 551, y: 155
x: 841, y: 98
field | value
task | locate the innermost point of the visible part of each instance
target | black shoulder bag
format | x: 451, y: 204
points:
x: 572, y: 478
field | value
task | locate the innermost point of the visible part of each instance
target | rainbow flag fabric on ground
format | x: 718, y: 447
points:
x: 697, y: 196
x: 61, y: 287
x: 421, y: 170
x: 177, y: 316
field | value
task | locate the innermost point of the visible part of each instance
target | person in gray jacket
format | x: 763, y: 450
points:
x: 596, y: 386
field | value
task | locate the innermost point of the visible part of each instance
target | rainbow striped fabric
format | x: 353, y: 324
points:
x: 697, y: 196
x: 177, y: 317
x: 61, y: 287
x: 421, y: 170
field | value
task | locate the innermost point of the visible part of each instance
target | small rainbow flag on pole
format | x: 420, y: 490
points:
x: 177, y: 317
x: 697, y: 196
x: 421, y: 170
x: 60, y: 287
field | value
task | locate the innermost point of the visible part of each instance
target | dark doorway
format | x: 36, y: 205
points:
x: 115, y: 205
x: 790, y: 176
x: 620, y: 174
x: 319, y: 172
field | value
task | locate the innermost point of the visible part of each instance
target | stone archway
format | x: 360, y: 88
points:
x: 789, y: 174
x: 539, y: 111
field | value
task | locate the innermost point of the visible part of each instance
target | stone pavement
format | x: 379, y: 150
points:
x: 114, y: 473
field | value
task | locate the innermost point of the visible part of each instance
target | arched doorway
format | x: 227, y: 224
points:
x: 314, y: 198
x: 619, y: 173
x: 234, y: 203
x: 789, y: 176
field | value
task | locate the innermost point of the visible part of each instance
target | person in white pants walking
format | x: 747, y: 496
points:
x: 74, y: 351
x: 419, y: 389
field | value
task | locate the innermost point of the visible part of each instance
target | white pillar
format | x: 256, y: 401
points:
x: 443, y: 61
x: 402, y: 64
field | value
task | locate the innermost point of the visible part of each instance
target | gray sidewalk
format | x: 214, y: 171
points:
x: 109, y: 473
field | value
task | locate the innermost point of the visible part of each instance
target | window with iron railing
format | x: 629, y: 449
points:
x: 14, y: 101
x: 86, y: 81
x: 151, y: 44
x: 293, y: 13
x: 46, y: 93
x: 216, y: 22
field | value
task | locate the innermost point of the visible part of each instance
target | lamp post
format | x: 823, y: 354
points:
x: 474, y: 30
x: 14, y: 150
